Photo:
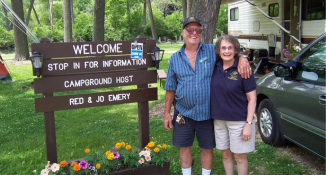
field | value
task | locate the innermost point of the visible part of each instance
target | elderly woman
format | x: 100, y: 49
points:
x: 233, y: 102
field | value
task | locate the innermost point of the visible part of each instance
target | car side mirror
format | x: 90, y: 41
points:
x: 281, y: 71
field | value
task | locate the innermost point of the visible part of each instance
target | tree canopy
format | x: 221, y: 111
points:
x: 120, y: 22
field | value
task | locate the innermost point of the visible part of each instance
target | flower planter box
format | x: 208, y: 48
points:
x: 148, y: 170
x: 289, y: 56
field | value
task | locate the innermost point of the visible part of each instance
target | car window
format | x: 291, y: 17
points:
x: 313, y: 61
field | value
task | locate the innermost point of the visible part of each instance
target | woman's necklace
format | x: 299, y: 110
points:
x: 192, y: 55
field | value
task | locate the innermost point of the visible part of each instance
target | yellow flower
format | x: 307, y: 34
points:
x: 128, y: 147
x: 63, y: 164
x: 110, y: 157
x: 159, y: 146
x: 151, y: 144
x: 287, y: 46
x: 165, y: 146
x: 118, y: 145
x: 123, y: 143
x: 98, y: 166
x: 76, y: 167
x: 87, y: 150
x: 107, y: 153
x: 157, y: 150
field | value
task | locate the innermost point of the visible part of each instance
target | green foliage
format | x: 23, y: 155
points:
x: 55, y: 33
x: 6, y: 38
x: 85, y: 6
x: 57, y: 13
x: 222, y: 22
x: 83, y: 27
x: 173, y: 24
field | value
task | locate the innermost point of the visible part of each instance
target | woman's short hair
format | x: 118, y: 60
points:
x: 230, y: 39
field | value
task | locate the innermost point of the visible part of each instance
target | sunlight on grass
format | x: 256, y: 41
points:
x: 170, y: 47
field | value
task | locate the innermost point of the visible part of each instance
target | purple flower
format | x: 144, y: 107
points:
x: 284, y: 50
x: 91, y: 166
x: 116, y: 155
x: 83, y: 164
x: 286, y: 53
x: 112, y: 150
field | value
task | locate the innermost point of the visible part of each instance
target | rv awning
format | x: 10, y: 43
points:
x: 228, y: 1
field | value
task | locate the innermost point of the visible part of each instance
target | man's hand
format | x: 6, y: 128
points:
x: 167, y: 121
x: 244, y: 68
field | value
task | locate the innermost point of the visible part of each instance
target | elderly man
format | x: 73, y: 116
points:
x: 188, y: 82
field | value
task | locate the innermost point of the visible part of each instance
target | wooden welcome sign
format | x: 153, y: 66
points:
x: 91, y: 65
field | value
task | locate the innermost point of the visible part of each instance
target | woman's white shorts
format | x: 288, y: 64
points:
x: 228, y: 134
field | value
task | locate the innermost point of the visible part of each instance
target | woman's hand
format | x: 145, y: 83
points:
x: 246, y: 132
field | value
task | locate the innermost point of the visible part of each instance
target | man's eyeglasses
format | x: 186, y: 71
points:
x: 229, y: 48
x: 191, y: 30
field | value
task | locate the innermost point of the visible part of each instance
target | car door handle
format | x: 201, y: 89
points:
x: 322, y: 99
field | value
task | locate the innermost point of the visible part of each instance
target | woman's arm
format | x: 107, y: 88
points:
x: 252, y: 98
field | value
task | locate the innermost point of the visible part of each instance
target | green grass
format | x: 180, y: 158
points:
x: 174, y: 46
x: 22, y: 137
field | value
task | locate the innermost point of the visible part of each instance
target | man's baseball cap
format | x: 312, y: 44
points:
x: 190, y: 19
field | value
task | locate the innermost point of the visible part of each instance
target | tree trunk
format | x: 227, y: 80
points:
x: 29, y: 12
x: 184, y: 9
x: 98, y: 20
x: 150, y: 13
x: 67, y: 21
x: 72, y: 12
x: 50, y: 14
x: 144, y: 13
x: 128, y: 17
x: 207, y: 12
x: 189, y: 6
x: 20, y: 38
x: 6, y: 16
x: 38, y: 21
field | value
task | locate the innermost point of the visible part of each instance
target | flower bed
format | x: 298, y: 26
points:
x: 120, y: 159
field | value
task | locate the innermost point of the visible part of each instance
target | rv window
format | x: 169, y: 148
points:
x: 313, y: 10
x: 273, y: 10
x: 234, y: 14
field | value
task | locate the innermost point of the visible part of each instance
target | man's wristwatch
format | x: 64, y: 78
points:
x: 249, y: 122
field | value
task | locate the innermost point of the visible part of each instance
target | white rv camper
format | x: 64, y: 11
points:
x: 263, y: 25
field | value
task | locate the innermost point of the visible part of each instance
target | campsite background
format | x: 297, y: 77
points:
x: 22, y: 138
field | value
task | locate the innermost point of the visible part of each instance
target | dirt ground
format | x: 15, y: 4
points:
x: 314, y: 164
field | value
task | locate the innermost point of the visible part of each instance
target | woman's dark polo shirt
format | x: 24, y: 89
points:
x: 228, y: 93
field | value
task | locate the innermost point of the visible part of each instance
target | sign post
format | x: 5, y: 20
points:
x: 93, y: 65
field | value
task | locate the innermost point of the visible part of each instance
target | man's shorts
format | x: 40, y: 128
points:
x: 184, y: 134
x: 228, y: 134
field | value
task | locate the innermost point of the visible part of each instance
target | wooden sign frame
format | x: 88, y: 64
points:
x: 92, y: 65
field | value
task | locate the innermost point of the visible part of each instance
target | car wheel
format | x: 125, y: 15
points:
x: 268, y: 125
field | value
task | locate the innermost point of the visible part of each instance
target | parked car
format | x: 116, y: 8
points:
x: 291, y: 100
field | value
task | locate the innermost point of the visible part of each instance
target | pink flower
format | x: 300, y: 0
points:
x: 286, y: 53
x: 141, y: 161
x: 284, y: 50
x: 116, y: 155
x: 148, y: 158
x: 83, y: 164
